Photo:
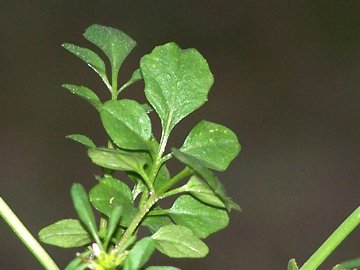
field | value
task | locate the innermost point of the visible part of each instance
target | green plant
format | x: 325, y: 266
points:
x: 177, y: 82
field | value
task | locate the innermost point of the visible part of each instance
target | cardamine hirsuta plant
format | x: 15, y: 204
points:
x: 177, y: 82
x: 133, y: 222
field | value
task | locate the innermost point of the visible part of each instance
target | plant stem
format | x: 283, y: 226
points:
x: 181, y: 175
x: 333, y: 241
x: 136, y: 221
x: 25, y: 236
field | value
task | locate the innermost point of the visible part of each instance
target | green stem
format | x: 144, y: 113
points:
x: 135, y: 222
x: 333, y: 241
x: 181, y: 175
x: 25, y: 236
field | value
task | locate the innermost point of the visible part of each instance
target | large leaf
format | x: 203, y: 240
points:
x: 66, y: 233
x: 127, y: 124
x: 178, y: 241
x: 139, y: 254
x: 113, y: 42
x: 89, y: 57
x: 84, y: 93
x: 177, y: 82
x: 197, y: 188
x: 110, y: 193
x: 86, y: 141
x: 117, y: 159
x: 202, y: 219
x: 83, y: 208
x: 213, y: 144
x: 210, y: 179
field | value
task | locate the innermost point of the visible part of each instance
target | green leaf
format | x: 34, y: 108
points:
x: 89, y: 57
x: 80, y: 262
x: 110, y: 193
x: 202, y: 192
x: 117, y: 159
x: 213, y: 144
x: 84, y: 93
x: 127, y: 124
x: 162, y: 268
x: 292, y: 265
x: 202, y: 219
x: 113, y: 223
x: 178, y: 241
x: 177, y: 82
x: 83, y: 208
x: 66, y: 233
x: 210, y: 179
x: 139, y: 254
x: 351, y: 264
x: 136, y: 76
x: 113, y: 42
x: 162, y: 177
x: 154, y: 223
x: 82, y: 139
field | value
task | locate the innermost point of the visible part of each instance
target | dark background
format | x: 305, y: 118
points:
x: 287, y: 78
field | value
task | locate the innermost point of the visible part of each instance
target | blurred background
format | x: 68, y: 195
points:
x: 287, y: 81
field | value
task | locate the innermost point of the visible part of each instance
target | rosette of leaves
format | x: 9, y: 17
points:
x: 177, y: 82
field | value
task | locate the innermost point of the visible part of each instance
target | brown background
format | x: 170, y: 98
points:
x: 287, y: 82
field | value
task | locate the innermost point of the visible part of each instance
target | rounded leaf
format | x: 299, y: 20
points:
x: 177, y: 82
x: 127, y: 124
x: 213, y: 144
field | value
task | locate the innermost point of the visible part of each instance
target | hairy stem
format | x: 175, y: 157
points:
x: 333, y: 241
x: 25, y: 236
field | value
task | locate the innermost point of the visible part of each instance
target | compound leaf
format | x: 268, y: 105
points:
x: 177, y: 82
x: 202, y: 219
x: 66, y: 233
x: 177, y: 241
x: 213, y: 144
x: 113, y: 42
x: 127, y: 124
x: 84, y: 93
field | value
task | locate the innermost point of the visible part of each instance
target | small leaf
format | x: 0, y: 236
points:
x: 117, y: 159
x: 177, y: 82
x: 292, y: 265
x: 82, y: 139
x: 89, y: 57
x: 113, y: 223
x: 213, y: 144
x: 178, y: 241
x: 110, y: 193
x: 139, y: 254
x: 202, y: 192
x: 66, y: 233
x: 136, y: 76
x: 162, y: 177
x: 203, y: 220
x: 80, y: 262
x: 83, y: 208
x: 127, y: 124
x: 84, y: 93
x: 113, y: 42
x: 162, y: 268
x: 207, y: 176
